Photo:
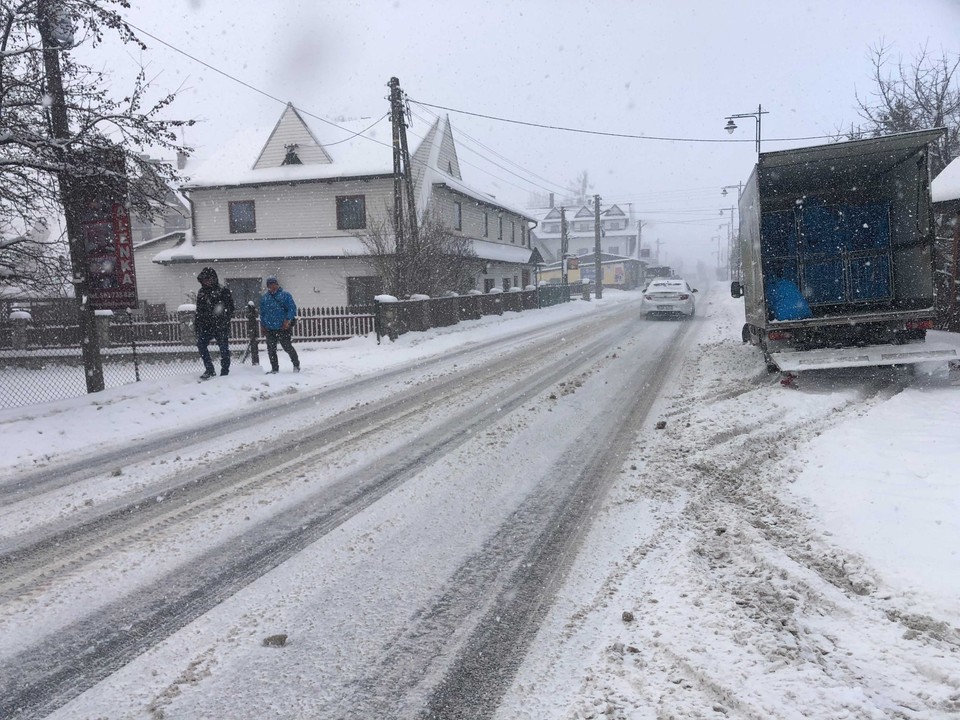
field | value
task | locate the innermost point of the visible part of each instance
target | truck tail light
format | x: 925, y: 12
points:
x: 920, y: 325
x: 779, y: 335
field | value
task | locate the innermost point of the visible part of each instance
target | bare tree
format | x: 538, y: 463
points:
x: 437, y: 262
x: 579, y: 189
x: 912, y: 94
x: 35, y: 159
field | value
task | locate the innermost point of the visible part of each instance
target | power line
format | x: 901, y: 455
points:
x: 462, y: 133
x: 258, y: 90
x: 360, y: 133
x: 310, y: 114
x: 495, y: 164
x: 613, y: 134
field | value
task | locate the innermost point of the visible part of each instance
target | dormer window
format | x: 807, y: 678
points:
x: 291, y: 157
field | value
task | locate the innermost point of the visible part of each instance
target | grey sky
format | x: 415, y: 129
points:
x: 666, y: 68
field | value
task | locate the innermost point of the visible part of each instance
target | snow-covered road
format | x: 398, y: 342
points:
x: 445, y: 505
x: 572, y: 513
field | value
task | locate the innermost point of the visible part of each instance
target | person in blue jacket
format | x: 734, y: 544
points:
x: 278, y: 312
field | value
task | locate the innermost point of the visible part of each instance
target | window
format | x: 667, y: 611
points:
x: 614, y: 249
x: 515, y: 280
x: 243, y: 216
x: 351, y: 212
x: 583, y: 251
x: 583, y: 226
x: 486, y: 225
x: 551, y: 227
x: 488, y: 284
x: 291, y: 158
x: 363, y: 289
x: 513, y: 231
x: 500, y: 227
x: 506, y: 284
x: 525, y: 274
x: 457, y: 216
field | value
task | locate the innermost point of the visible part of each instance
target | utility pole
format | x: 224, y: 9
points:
x: 395, y: 122
x: 564, y: 249
x: 60, y: 128
x: 402, y: 176
x: 598, y: 269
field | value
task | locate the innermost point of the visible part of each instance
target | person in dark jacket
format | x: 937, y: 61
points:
x: 278, y: 312
x: 212, y: 321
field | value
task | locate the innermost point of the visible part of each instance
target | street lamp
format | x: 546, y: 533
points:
x: 731, y: 125
x: 738, y: 186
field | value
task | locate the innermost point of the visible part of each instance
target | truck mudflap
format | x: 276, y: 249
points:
x: 868, y: 356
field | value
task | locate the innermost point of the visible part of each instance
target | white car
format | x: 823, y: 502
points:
x: 668, y: 296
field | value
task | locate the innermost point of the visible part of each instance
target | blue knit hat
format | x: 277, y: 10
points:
x: 270, y: 279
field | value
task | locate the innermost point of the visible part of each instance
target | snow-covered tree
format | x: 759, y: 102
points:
x: 39, y: 161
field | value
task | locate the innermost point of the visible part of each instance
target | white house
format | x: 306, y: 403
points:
x: 618, y: 231
x: 291, y: 203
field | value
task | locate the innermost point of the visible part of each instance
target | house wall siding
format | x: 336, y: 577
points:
x: 448, y: 157
x: 300, y: 210
x: 441, y: 206
x: 291, y: 131
x: 155, y: 284
x: 323, y: 286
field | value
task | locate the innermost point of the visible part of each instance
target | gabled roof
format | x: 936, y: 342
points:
x: 614, y: 210
x: 584, y: 212
x: 327, y: 150
x: 291, y: 133
x: 335, y: 150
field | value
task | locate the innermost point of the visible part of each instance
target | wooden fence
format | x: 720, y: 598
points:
x: 53, y: 323
x: 176, y: 329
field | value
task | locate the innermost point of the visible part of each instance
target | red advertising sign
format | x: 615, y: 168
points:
x: 108, y: 243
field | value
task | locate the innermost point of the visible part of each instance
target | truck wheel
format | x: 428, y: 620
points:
x: 745, y: 333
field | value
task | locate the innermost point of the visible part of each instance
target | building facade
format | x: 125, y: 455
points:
x: 619, y: 231
x: 284, y: 203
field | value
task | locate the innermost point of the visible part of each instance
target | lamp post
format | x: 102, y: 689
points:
x: 738, y: 186
x: 731, y: 125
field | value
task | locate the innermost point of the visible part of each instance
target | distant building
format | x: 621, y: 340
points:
x: 618, y: 231
x: 619, y: 272
x: 174, y: 216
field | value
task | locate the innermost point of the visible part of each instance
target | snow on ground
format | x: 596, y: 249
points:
x: 38, y: 435
x: 769, y: 553
x: 781, y: 553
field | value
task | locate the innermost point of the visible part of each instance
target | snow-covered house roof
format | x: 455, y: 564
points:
x: 327, y: 150
x: 188, y: 251
x: 945, y: 187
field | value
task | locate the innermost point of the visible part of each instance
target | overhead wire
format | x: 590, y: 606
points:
x: 428, y: 108
x: 602, y: 133
x: 471, y: 139
x: 492, y: 162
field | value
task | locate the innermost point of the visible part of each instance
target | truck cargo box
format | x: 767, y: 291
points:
x: 836, y: 245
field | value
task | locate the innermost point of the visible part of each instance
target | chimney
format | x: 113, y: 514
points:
x: 181, y: 160
x: 551, y: 201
